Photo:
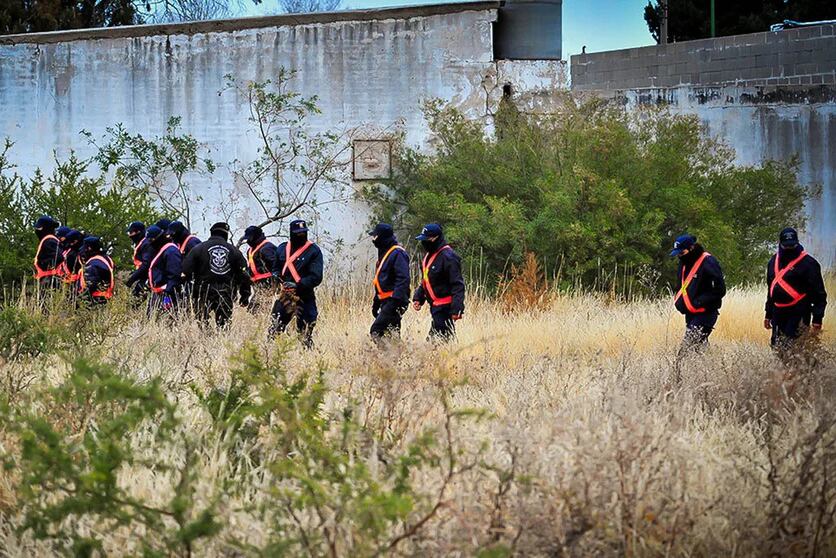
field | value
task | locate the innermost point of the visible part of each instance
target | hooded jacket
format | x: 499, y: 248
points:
x: 445, y: 276
x: 707, y: 288
x: 219, y: 265
x: 805, y: 277
x: 394, y: 275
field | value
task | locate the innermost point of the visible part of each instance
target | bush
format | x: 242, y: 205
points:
x: 590, y: 191
x: 73, y: 197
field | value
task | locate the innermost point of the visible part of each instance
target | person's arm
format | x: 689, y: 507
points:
x: 769, y: 306
x: 456, y: 280
x: 242, y: 278
x: 816, y: 292
x: 189, y: 265
x: 278, y: 264
x: 313, y: 277
x: 400, y: 267
x: 714, y: 284
x: 174, y: 268
x: 141, y: 273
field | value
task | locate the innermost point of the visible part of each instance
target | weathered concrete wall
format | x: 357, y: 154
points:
x: 370, y: 69
x: 803, y: 56
x: 764, y: 103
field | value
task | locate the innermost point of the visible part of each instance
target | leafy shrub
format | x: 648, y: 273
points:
x: 23, y: 335
x: 587, y: 189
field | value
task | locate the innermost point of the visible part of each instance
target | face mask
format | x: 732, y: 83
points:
x: 429, y: 245
x: 299, y: 238
x: 379, y: 241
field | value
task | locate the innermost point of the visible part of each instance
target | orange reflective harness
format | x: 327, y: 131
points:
x: 426, y: 264
x: 381, y: 294
x: 155, y: 289
x: 254, y: 273
x: 137, y: 248
x: 683, y: 291
x: 290, y: 259
x: 41, y: 273
x: 183, y: 245
x: 107, y: 293
x: 779, y: 281
x: 69, y: 276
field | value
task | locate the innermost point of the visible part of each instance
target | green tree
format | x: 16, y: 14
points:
x: 589, y: 190
x: 691, y: 19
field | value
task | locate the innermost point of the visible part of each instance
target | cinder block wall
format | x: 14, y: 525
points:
x: 803, y: 56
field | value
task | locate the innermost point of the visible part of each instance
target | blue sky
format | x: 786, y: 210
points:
x: 598, y: 24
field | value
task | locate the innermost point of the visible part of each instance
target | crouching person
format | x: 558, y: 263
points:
x: 298, y: 268
x: 96, y: 282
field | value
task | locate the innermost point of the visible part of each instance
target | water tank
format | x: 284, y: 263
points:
x: 529, y: 30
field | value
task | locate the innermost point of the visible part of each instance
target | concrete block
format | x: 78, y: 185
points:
x: 817, y: 79
x: 806, y: 69
x: 806, y: 80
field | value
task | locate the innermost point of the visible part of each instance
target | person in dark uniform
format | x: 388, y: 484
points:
x: 48, y: 258
x: 391, y: 283
x: 164, y: 272
x: 261, y: 256
x: 795, y: 297
x: 181, y: 236
x: 71, y: 267
x: 143, y: 253
x: 700, y: 288
x: 442, y: 283
x: 298, y: 268
x: 218, y: 270
x: 97, y: 281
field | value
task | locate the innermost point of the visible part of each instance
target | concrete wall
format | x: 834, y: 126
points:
x: 371, y: 70
x: 764, y: 104
x: 803, y: 56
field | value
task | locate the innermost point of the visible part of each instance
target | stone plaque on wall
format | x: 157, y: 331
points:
x: 372, y: 159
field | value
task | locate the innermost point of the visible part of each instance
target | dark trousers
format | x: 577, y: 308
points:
x: 388, y: 320
x: 305, y: 312
x: 209, y: 300
x: 155, y: 304
x: 698, y: 327
x: 443, y: 328
x: 786, y: 329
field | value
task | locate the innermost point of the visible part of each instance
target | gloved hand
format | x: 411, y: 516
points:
x: 168, y: 304
x: 767, y: 323
x: 375, y: 307
x: 289, y: 286
x: 245, y: 300
x: 417, y: 305
x: 401, y: 307
x: 456, y: 317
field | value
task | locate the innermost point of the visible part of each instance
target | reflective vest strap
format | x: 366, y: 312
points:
x: 137, y: 248
x: 66, y: 272
x: 183, y: 245
x: 779, y: 280
x: 41, y: 273
x: 154, y: 288
x: 107, y: 293
x: 251, y: 253
x: 683, y: 291
x: 289, y: 259
x: 426, y: 265
x: 381, y: 294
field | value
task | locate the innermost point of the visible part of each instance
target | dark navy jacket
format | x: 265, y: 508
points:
x: 446, y: 279
x: 146, y: 254
x: 309, y: 265
x: 265, y: 258
x: 806, y: 278
x: 193, y: 241
x: 168, y: 269
x: 394, y: 275
x: 707, y: 288
x: 50, y: 255
x: 72, y: 261
x: 96, y: 276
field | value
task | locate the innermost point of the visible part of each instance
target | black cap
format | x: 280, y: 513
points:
x: 429, y: 231
x: 176, y: 228
x: 382, y: 230
x: 298, y: 226
x: 788, y: 238
x: 220, y: 227
x: 46, y: 222
x: 73, y: 238
x: 253, y: 231
x: 153, y: 232
x: 62, y: 232
x: 682, y: 243
x: 136, y: 227
x: 163, y: 224
x: 92, y: 244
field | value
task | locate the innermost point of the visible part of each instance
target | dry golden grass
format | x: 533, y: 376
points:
x: 617, y: 447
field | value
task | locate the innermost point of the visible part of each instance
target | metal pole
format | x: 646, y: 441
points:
x: 713, y: 24
x: 663, y: 31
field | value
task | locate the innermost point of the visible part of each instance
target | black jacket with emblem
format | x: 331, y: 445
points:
x: 707, y: 288
x: 217, y: 264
